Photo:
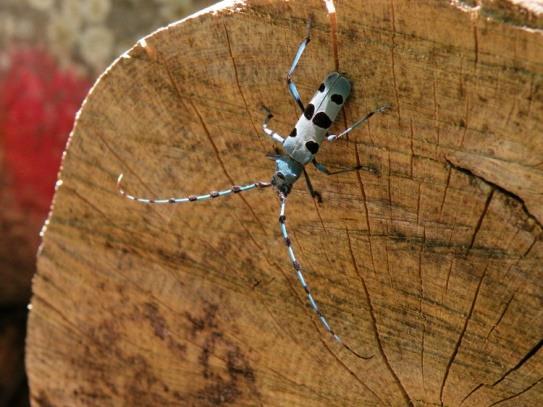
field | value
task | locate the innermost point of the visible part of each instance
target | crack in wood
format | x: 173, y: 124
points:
x: 480, y: 220
x: 392, y: 62
x: 471, y: 392
x: 504, y: 191
x: 465, y: 122
x: 260, y: 139
x: 412, y: 134
x: 475, y: 45
x: 421, y: 299
x: 461, y: 337
x: 453, y: 261
x: 364, y: 200
x: 445, y: 193
x: 436, y: 111
x: 517, y: 394
x: 500, y: 317
x: 521, y: 362
x: 419, y: 198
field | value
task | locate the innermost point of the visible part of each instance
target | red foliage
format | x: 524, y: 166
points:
x: 38, y: 102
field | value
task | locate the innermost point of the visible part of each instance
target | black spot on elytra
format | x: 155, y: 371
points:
x: 293, y: 132
x: 308, y: 112
x: 312, y: 147
x: 321, y: 119
x: 322, y: 87
x: 337, y: 99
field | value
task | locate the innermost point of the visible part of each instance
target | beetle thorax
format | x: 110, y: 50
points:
x: 287, y: 172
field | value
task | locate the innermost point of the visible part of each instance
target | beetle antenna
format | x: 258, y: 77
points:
x: 192, y: 198
x: 299, y: 274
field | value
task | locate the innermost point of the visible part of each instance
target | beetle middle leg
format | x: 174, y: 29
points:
x: 359, y: 122
x: 322, y: 168
x: 314, y: 194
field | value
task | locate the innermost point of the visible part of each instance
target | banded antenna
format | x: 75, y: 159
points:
x: 300, y: 275
x: 192, y: 198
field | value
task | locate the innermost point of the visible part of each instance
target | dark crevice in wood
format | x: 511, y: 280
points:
x: 517, y: 394
x: 366, y: 211
x: 466, y: 121
x: 445, y: 193
x: 436, y: 111
x: 500, y: 317
x: 475, y: 45
x: 471, y: 392
x: 412, y: 133
x: 499, y: 188
x: 260, y: 139
x: 449, y: 274
x: 480, y: 220
x: 526, y: 357
x: 392, y: 62
x: 421, y: 299
x: 419, y: 197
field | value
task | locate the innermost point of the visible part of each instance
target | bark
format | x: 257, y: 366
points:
x: 432, y: 262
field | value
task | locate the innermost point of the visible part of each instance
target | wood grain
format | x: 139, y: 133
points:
x: 432, y: 263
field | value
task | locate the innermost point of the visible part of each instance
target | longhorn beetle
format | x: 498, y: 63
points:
x: 301, y: 146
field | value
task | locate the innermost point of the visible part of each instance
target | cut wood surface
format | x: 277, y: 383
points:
x: 432, y: 263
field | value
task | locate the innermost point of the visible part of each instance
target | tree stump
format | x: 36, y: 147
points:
x: 431, y: 263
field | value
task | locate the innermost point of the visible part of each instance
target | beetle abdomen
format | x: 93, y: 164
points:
x: 305, y: 139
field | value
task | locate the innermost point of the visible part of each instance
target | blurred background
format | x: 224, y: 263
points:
x: 51, y: 52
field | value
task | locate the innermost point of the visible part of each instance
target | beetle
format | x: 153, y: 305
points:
x: 301, y: 146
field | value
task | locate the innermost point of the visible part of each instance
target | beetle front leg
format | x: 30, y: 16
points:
x: 290, y: 83
x: 272, y: 134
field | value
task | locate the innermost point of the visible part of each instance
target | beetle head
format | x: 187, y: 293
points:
x: 287, y: 172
